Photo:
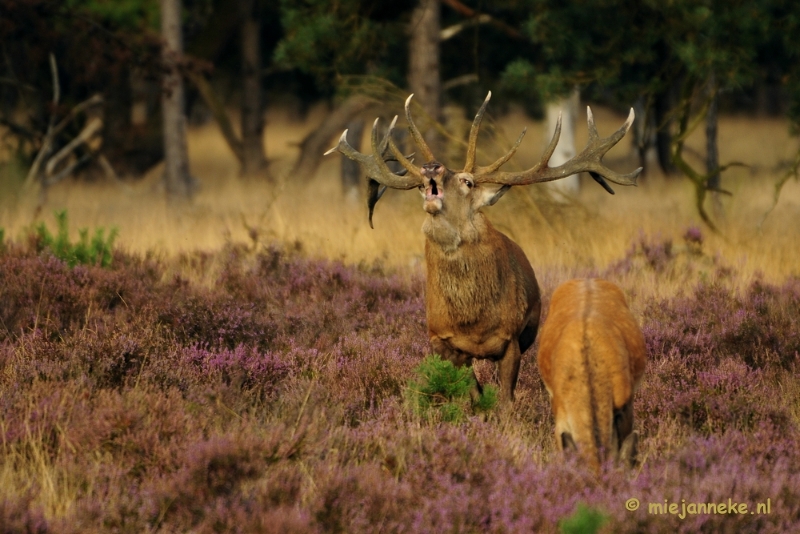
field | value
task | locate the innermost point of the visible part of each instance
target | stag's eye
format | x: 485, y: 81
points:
x: 466, y: 182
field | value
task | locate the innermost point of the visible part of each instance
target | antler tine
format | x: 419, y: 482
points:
x: 472, y: 144
x: 590, y: 160
x: 502, y: 160
x: 374, y: 165
x: 418, y: 139
x: 380, y: 148
x: 388, y: 144
x: 486, y: 174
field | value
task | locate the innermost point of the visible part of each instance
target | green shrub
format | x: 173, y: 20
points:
x: 94, y: 251
x: 584, y: 520
x: 443, y: 389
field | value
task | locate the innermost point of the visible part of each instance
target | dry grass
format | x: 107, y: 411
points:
x: 593, y: 231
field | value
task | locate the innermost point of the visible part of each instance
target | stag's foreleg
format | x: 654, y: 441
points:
x: 508, y: 369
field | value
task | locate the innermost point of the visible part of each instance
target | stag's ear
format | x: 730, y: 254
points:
x: 488, y: 194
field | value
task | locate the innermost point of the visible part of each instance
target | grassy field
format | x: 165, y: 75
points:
x: 593, y: 231
x: 244, y: 363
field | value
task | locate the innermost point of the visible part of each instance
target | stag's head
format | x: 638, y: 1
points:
x: 456, y: 196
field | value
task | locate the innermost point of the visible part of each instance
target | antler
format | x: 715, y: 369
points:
x: 590, y: 160
x: 375, y: 166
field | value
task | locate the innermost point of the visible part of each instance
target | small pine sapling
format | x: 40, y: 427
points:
x: 94, y: 251
x: 444, y: 389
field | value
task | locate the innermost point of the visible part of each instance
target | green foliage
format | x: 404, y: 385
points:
x: 94, y: 251
x: 331, y: 39
x: 487, y: 400
x: 584, y: 520
x: 443, y: 389
x: 128, y: 14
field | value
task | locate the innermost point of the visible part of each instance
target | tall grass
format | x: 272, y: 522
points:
x: 592, y: 232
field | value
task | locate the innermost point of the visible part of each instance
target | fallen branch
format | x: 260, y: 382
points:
x: 43, y: 158
x: 93, y: 126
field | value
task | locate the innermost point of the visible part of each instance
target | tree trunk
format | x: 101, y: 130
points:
x: 424, y: 73
x: 662, y: 107
x: 565, y: 150
x: 253, y: 157
x: 712, y: 149
x: 179, y: 183
x: 644, y: 138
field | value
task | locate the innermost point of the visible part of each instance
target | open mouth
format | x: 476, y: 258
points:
x: 432, y: 191
x: 433, y: 198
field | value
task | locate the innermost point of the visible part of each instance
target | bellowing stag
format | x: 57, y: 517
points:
x: 482, y: 298
x: 591, y: 358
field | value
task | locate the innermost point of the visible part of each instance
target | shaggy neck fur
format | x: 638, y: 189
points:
x: 463, y: 268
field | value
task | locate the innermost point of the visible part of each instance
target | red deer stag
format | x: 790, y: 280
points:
x: 482, y: 298
x: 591, y: 359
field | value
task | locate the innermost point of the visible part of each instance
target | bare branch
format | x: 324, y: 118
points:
x: 455, y: 29
x: 92, y: 127
x: 471, y: 13
x: 218, y: 111
x: 94, y: 100
x: 47, y: 142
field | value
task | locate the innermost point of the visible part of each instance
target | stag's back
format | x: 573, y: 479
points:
x: 591, y: 359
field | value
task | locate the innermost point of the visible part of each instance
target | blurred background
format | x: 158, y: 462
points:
x: 191, y: 124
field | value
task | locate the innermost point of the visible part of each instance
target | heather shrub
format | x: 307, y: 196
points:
x: 361, y: 498
x: 96, y: 250
x: 708, y: 395
x: 243, y: 368
x: 261, y: 391
x: 18, y: 515
x: 663, y: 259
x: 43, y: 293
x: 444, y: 389
x: 761, y: 326
x: 208, y: 319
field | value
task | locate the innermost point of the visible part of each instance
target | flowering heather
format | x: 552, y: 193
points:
x: 761, y: 326
x: 272, y: 397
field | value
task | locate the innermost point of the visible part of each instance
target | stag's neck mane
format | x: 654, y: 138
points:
x: 449, y: 237
x: 463, y: 268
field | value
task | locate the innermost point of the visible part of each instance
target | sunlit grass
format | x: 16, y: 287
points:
x: 593, y: 231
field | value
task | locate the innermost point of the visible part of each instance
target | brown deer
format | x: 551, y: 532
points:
x: 591, y: 358
x: 482, y: 298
